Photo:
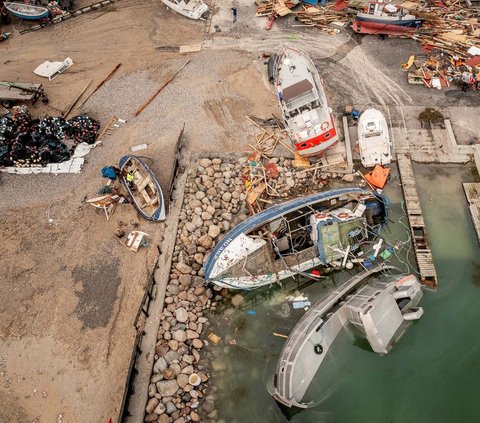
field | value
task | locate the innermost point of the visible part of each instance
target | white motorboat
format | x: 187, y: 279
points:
x: 380, y: 311
x: 193, y: 9
x: 308, y: 119
x: 374, y: 139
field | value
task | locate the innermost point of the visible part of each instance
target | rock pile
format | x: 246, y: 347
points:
x: 214, y: 202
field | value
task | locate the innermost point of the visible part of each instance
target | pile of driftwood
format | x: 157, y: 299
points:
x: 268, y: 179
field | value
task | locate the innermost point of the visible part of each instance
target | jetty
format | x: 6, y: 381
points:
x: 421, y: 246
x: 472, y: 192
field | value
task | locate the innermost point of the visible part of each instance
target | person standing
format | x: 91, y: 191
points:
x: 466, y: 80
x: 234, y: 14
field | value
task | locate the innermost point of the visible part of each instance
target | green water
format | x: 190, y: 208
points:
x: 431, y: 375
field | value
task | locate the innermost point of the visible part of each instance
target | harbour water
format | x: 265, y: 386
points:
x: 431, y: 375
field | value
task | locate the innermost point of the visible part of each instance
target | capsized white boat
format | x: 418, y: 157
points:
x: 308, y: 119
x: 325, y: 229
x: 193, y: 9
x: 380, y: 311
x: 374, y: 139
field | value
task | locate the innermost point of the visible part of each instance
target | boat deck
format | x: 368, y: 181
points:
x: 472, y: 192
x: 423, y: 254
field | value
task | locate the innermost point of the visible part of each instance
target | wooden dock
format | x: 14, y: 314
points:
x: 472, y: 192
x: 423, y: 254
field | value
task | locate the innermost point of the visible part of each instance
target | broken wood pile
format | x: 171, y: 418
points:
x: 451, y: 28
x: 323, y: 18
x: 269, y: 179
x: 275, y: 7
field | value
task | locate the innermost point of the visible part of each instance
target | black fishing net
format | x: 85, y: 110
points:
x: 25, y: 141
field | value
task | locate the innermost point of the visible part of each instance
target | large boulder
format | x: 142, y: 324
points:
x: 206, y: 242
x: 181, y: 315
x: 183, y: 267
x: 167, y: 388
x: 213, y: 231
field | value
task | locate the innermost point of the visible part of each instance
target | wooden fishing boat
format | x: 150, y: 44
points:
x: 326, y: 229
x: 374, y: 139
x: 193, y: 9
x: 27, y: 11
x: 144, y: 189
x: 308, y: 119
x: 385, y: 18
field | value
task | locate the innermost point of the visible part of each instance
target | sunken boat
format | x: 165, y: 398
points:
x: 144, y: 189
x: 379, y: 311
x: 328, y: 229
x: 374, y: 139
x: 308, y: 119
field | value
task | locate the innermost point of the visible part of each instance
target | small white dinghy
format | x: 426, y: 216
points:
x: 193, y: 9
x: 374, y: 139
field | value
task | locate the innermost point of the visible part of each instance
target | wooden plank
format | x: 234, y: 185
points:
x: 190, y: 48
x: 423, y: 253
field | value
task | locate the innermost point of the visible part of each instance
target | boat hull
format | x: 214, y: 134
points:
x: 19, y: 10
x: 310, y: 340
x: 317, y: 145
x: 159, y: 213
x: 308, y: 119
x: 228, y: 252
x: 368, y: 24
x: 375, y: 145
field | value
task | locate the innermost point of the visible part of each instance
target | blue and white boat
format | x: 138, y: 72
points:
x: 27, y: 11
x: 144, y: 189
x: 327, y: 229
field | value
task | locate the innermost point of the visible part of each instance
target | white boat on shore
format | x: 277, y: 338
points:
x: 308, y: 119
x: 193, y: 9
x: 374, y: 139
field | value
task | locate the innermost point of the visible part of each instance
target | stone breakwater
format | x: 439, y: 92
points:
x: 214, y: 202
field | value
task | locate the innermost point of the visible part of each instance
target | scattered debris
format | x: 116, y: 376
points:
x: 107, y: 203
x: 136, y: 239
x: 142, y: 108
x: 139, y: 147
x: 51, y: 70
x: 214, y: 338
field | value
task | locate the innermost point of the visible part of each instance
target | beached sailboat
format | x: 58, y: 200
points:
x: 323, y: 229
x: 386, y: 18
x: 308, y: 119
x: 193, y: 9
x: 374, y: 139
x: 144, y: 189
x: 379, y: 311
x: 27, y: 11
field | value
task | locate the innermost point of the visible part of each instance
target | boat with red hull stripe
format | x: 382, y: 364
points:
x: 308, y: 119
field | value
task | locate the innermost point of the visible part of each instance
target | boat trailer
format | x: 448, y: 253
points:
x: 11, y: 92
